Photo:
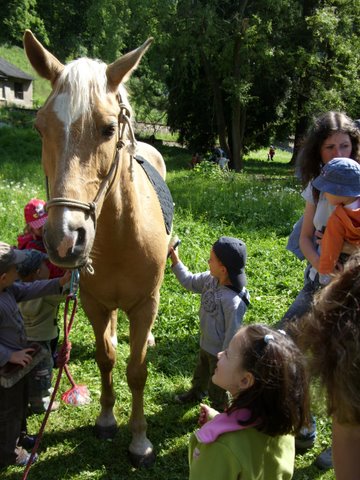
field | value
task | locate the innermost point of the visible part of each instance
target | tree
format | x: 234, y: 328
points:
x: 115, y: 27
x: 238, y: 48
x: 326, y: 75
x: 267, y: 67
x: 18, y: 15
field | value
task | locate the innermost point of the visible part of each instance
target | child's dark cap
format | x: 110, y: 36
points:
x: 10, y: 256
x: 31, y: 263
x: 232, y: 254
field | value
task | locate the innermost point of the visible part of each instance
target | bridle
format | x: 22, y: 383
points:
x: 91, y: 207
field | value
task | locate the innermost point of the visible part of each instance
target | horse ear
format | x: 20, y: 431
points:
x: 46, y: 65
x: 120, y: 70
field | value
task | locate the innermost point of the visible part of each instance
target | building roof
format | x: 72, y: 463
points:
x: 9, y: 70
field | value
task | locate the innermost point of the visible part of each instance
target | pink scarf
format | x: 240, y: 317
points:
x: 223, y: 423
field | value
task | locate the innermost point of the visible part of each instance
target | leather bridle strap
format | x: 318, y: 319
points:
x: 91, y: 206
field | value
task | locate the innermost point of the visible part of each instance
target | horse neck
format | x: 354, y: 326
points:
x: 120, y: 210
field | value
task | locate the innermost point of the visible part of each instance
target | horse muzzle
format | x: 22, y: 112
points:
x: 69, y: 241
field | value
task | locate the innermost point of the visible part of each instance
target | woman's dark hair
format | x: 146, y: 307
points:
x: 278, y: 398
x: 330, y: 334
x: 309, y: 158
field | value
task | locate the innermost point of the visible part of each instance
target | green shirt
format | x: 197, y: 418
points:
x: 40, y: 317
x: 242, y: 455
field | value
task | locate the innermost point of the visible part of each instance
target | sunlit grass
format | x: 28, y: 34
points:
x: 260, y: 206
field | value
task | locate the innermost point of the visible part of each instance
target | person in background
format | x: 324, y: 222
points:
x: 224, y: 300
x: 330, y: 335
x: 195, y: 160
x: 333, y: 134
x: 32, y: 238
x: 265, y: 373
x: 271, y: 153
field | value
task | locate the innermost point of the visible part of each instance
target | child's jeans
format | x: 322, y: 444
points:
x: 201, y: 381
x: 13, y: 406
x: 40, y: 380
x: 303, y: 301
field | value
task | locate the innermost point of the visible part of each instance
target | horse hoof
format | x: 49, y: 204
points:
x: 142, y: 461
x: 105, y: 433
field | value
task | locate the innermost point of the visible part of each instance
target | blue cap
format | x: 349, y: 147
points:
x: 340, y: 176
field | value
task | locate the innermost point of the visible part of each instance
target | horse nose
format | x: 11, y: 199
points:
x: 72, y: 243
x: 69, y: 237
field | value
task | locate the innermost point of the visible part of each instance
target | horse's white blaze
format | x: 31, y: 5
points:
x: 66, y: 244
x: 69, y: 240
x: 62, y: 110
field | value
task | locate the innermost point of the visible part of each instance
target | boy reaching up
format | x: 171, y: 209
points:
x: 224, y: 300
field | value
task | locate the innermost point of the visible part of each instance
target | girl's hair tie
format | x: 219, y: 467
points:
x: 282, y: 332
x: 268, y: 337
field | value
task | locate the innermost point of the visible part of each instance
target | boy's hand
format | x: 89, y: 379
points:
x: 21, y: 357
x: 172, y: 251
x: 174, y: 256
x: 65, y: 278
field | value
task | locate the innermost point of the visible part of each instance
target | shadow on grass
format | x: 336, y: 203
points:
x: 79, y: 453
x: 259, y: 167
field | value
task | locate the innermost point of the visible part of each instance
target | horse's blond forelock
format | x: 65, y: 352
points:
x: 84, y: 80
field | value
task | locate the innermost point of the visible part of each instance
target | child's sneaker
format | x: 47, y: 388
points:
x: 43, y: 406
x: 23, y: 457
x: 307, y: 436
x: 324, y: 460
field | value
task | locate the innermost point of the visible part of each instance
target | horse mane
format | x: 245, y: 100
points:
x: 85, y: 81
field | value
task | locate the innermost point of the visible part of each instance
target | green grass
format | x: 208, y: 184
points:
x: 259, y: 205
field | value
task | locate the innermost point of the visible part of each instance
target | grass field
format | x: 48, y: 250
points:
x: 260, y: 206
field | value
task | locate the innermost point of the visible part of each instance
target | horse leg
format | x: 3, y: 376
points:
x: 141, y: 319
x: 113, y: 329
x: 105, y: 425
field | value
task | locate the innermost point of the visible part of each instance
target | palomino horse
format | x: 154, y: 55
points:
x: 103, y: 211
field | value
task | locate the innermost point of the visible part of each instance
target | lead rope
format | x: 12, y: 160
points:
x: 63, y: 359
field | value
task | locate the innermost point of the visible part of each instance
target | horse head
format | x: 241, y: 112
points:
x: 80, y: 125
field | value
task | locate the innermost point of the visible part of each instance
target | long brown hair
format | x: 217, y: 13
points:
x: 309, y: 158
x: 278, y: 398
x: 330, y: 333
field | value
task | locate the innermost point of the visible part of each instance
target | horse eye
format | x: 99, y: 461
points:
x: 109, y: 130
